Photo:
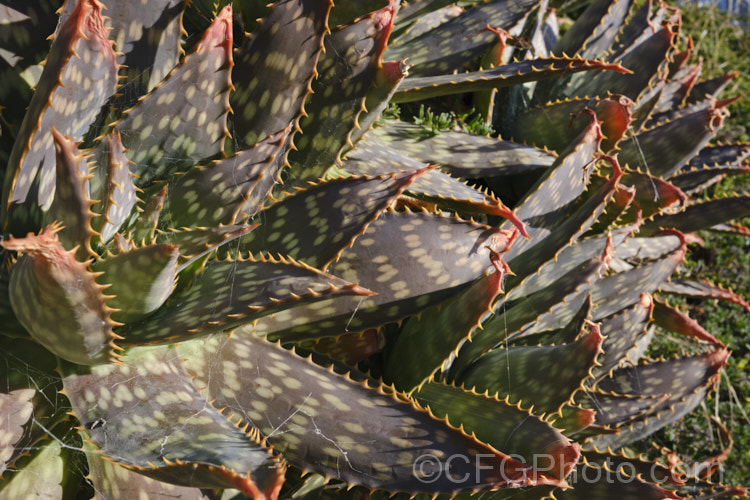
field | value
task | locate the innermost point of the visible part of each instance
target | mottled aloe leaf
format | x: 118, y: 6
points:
x: 645, y: 62
x: 595, y: 30
x: 391, y: 258
x: 190, y: 443
x: 322, y: 421
x: 548, y: 242
x: 703, y: 289
x: 502, y: 426
x: 696, y: 181
x: 662, y: 157
x: 199, y: 242
x: 388, y: 77
x: 687, y: 380
x: 617, y: 208
x: 556, y: 125
x: 118, y: 195
x: 140, y: 280
x: 80, y: 75
x: 621, y: 331
x: 186, y: 119
x: 652, y: 193
x: 544, y: 376
x: 147, y: 39
x: 709, y: 88
x: 426, y: 342
x: 597, y: 483
x: 650, y: 470
x: 57, y: 300
x: 653, y: 247
x: 700, y: 215
x: 511, y: 317
x: 672, y: 319
x: 229, y: 189
x: 721, y: 154
x: 233, y: 292
x: 269, y: 96
x: 564, y: 335
x: 145, y: 224
x: 416, y: 88
x: 346, y: 11
x: 30, y: 402
x: 558, y: 188
x: 110, y: 480
x: 351, y: 204
x: 462, y: 155
x: 371, y: 158
x: 675, y: 90
x: 616, y: 291
x: 410, y: 28
x: 618, y: 409
x: 42, y: 476
x: 636, y: 27
x: 350, y: 348
x: 457, y: 41
x: 71, y: 207
x: 347, y: 71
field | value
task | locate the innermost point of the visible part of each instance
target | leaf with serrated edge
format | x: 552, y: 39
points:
x: 348, y: 70
x: 595, y: 30
x: 462, y: 155
x: 71, y: 206
x: 57, y: 300
x: 227, y: 190
x: 703, y: 289
x: 700, y: 215
x: 545, y: 377
x: 501, y: 425
x: 416, y: 88
x: 191, y: 443
x: 426, y: 341
x: 80, y: 52
x: 391, y: 259
x: 190, y: 119
x: 598, y: 484
x: 231, y: 293
x: 315, y: 224
x: 455, y: 42
x: 325, y: 422
x: 140, y: 280
x: 118, y: 195
x: 201, y: 241
x: 269, y: 96
x: 434, y: 186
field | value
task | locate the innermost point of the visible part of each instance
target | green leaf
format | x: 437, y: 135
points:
x: 462, y: 155
x: 80, y: 76
x: 144, y: 227
x: 139, y: 280
x: 644, y: 61
x: 391, y: 258
x: 501, y: 425
x: 182, y: 107
x: 71, y: 206
x: 147, y: 416
x: 720, y: 154
x: 325, y: 422
x: 426, y: 342
x: 417, y: 88
x: 227, y: 190
x: 662, y: 150
x: 370, y: 158
x: 696, y: 181
x: 556, y: 125
x: 461, y: 39
x: 543, y: 376
x: 347, y: 72
x: 595, y: 483
x: 269, y: 95
x: 672, y: 319
x: 618, y: 410
x: 346, y: 11
x: 317, y: 223
x: 700, y: 215
x: 230, y: 293
x: 595, y: 30
x: 118, y: 194
x: 199, y: 242
x: 703, y: 289
x: 58, y: 301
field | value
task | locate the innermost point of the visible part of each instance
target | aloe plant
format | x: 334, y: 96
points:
x: 226, y: 277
